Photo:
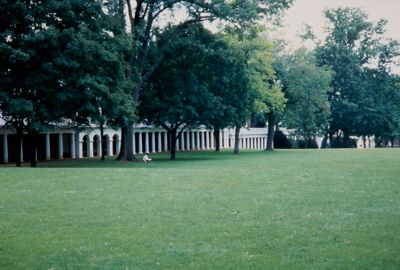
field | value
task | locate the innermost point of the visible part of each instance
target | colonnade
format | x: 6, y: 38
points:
x: 155, y: 141
x: 256, y: 142
x: 73, y: 144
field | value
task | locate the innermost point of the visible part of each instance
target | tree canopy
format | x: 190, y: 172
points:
x: 59, y: 52
x: 356, y: 50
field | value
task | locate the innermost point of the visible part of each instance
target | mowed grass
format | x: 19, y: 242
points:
x: 293, y: 209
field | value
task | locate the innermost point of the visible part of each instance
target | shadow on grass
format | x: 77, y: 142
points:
x: 161, y: 160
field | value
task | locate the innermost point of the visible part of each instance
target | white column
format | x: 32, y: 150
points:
x: 177, y: 146
x: 165, y: 141
x: 183, y: 140
x: 212, y: 139
x: 134, y: 142
x: 192, y: 141
x: 221, y: 144
x: 48, y: 150
x: 207, y: 133
x: 5, y: 148
x: 153, y: 142
x: 22, y: 150
x: 89, y: 147
x: 60, y: 146
x: 118, y: 145
x: 109, y: 146
x: 146, y: 142
x: 140, y: 142
x: 159, y: 149
x: 187, y: 140
x: 197, y: 140
x: 203, y: 140
x: 73, y: 154
x: 80, y: 149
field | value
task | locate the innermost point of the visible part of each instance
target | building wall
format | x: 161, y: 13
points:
x: 72, y: 144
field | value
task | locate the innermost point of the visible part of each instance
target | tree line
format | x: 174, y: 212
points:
x: 78, y: 63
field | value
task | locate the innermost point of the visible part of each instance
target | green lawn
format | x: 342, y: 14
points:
x: 294, y: 209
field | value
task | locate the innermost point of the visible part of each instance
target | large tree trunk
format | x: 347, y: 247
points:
x: 236, y: 150
x: 33, y: 147
x: 126, y: 153
x: 122, y: 152
x: 346, y: 140
x: 306, y: 141
x: 271, y: 131
x: 216, y: 139
x: 172, y: 137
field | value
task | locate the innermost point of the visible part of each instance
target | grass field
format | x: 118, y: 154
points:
x: 294, y: 209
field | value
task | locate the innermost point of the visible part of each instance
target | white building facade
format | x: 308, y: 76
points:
x: 73, y: 144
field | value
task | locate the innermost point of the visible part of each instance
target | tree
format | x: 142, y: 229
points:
x: 178, y: 94
x: 144, y: 24
x: 352, y: 48
x: 58, y: 52
x: 306, y: 88
x: 270, y: 99
x: 242, y: 96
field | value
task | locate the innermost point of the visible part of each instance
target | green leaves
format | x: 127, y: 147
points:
x: 60, y: 52
x: 360, y: 57
x: 306, y: 89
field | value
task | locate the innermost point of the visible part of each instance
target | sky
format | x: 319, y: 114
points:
x: 311, y: 13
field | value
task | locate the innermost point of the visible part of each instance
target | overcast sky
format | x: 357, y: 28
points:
x: 311, y: 12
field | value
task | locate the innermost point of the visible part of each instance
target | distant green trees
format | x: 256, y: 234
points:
x: 364, y: 100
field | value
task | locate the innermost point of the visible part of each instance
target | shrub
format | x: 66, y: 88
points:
x: 281, y: 141
x: 307, y: 144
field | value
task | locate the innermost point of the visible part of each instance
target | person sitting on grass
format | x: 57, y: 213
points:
x: 146, y: 158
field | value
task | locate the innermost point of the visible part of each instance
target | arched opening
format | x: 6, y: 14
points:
x: 136, y: 138
x: 115, y: 144
x: 162, y: 134
x: 96, y: 146
x: 150, y: 140
x: 104, y: 145
x: 67, y: 145
x: 2, y: 148
x: 157, y: 147
x: 85, y: 147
